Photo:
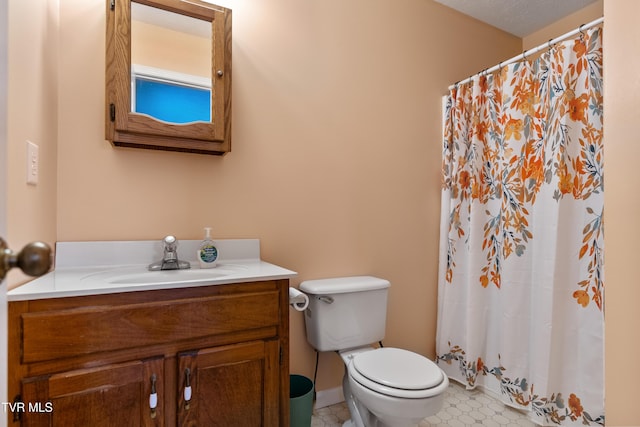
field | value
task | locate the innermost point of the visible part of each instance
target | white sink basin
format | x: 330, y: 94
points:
x: 141, y: 276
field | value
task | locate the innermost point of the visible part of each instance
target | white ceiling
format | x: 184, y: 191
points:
x: 518, y: 17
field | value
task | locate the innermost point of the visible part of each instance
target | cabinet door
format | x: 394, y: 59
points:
x: 234, y: 385
x: 114, y: 395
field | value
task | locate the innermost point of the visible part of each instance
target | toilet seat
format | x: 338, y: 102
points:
x: 396, y: 372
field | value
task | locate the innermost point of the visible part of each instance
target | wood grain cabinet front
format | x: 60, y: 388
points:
x: 203, y: 356
x: 229, y: 386
x: 112, y: 395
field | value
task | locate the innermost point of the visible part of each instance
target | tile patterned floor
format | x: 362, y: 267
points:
x: 461, y: 408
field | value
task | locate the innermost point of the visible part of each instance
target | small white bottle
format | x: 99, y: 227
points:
x: 208, y: 253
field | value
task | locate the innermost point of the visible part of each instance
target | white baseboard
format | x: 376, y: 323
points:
x: 329, y: 397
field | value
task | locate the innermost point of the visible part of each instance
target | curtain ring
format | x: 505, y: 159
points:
x: 524, y: 57
x: 549, y: 44
x: 581, y: 30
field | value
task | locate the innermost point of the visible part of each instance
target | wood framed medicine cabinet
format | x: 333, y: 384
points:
x: 126, y: 126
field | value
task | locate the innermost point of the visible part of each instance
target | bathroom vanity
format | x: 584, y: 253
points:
x: 205, y: 352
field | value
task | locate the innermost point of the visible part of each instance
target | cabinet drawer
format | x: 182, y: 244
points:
x: 50, y: 335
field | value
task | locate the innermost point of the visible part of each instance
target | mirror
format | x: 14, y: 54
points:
x: 170, y: 65
x: 169, y: 75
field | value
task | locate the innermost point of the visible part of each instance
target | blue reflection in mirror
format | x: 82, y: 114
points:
x: 172, y: 101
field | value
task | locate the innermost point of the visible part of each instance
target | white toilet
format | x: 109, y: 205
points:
x: 383, y: 387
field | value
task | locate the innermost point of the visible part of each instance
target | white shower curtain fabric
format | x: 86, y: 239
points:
x: 521, y: 281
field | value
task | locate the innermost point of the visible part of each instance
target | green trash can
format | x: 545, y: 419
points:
x: 300, y: 401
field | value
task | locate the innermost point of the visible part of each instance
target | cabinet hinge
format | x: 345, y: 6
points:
x: 281, y: 356
x: 113, y: 4
x: 112, y: 112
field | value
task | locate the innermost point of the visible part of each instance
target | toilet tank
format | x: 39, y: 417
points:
x: 345, y: 312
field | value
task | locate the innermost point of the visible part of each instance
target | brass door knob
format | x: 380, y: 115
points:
x: 34, y: 259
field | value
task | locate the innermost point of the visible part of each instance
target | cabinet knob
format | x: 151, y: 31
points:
x: 187, y: 388
x: 34, y: 259
x: 153, y: 397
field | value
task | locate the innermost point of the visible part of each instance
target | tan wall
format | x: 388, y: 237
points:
x: 562, y: 26
x: 167, y: 49
x: 32, y: 114
x: 336, y: 147
x: 622, y: 204
x: 336, y: 152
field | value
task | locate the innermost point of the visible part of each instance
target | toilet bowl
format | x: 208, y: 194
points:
x: 391, y: 387
x: 383, y: 387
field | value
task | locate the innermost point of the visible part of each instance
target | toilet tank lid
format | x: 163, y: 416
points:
x: 341, y: 285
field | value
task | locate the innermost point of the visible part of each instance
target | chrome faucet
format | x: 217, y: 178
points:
x: 170, y: 259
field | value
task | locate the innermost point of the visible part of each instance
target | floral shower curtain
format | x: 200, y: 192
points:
x: 521, y: 285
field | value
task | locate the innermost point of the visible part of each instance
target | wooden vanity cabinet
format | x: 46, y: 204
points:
x: 112, y: 395
x: 229, y: 386
x: 204, y: 356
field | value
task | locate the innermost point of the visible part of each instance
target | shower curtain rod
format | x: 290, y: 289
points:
x: 529, y: 52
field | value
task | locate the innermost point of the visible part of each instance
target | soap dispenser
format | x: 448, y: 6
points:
x: 208, y: 253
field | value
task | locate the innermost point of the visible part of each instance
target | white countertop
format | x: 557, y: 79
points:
x: 94, y: 268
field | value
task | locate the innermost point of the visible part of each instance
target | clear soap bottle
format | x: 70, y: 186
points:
x: 208, y: 253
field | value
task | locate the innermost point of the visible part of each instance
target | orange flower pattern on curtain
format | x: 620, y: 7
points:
x: 515, y: 133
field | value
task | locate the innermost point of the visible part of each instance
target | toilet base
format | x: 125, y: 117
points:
x: 394, y: 412
x: 360, y: 416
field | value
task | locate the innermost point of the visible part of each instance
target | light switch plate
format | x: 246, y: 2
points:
x: 33, y: 163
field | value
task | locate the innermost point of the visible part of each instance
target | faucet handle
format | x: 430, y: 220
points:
x: 170, y: 244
